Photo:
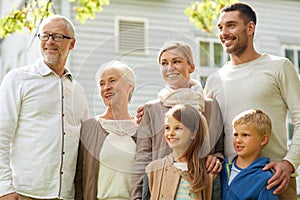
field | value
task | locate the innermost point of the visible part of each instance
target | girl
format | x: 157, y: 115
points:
x: 182, y: 174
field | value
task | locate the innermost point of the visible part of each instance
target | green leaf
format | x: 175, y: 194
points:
x: 202, y: 14
x: 30, y: 14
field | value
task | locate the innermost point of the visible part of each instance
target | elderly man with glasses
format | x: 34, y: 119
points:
x: 42, y: 108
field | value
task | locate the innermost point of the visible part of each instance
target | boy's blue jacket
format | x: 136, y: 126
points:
x: 250, y: 183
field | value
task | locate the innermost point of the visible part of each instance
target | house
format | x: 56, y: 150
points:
x: 134, y: 30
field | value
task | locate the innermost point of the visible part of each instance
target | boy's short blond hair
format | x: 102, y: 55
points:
x: 256, y: 118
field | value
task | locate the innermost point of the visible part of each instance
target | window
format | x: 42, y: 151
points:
x: 211, y: 57
x: 293, y: 53
x: 131, y: 35
x: 211, y: 53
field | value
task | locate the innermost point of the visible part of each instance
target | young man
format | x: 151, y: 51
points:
x: 263, y: 81
x: 42, y: 108
x: 242, y: 176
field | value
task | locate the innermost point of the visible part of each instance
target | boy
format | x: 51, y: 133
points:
x: 243, y: 176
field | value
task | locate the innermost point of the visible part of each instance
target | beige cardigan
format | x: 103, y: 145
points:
x: 164, y: 179
x: 86, y: 178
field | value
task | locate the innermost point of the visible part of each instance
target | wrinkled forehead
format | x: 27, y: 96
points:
x: 53, y: 26
x: 109, y: 72
x: 57, y: 25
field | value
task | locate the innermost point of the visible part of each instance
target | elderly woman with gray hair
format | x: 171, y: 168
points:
x: 176, y: 64
x: 107, y: 147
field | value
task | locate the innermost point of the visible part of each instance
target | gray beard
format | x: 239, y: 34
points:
x: 51, y: 60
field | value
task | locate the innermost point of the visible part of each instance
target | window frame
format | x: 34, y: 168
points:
x: 211, y: 42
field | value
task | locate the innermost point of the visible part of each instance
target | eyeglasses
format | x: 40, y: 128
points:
x: 55, y: 36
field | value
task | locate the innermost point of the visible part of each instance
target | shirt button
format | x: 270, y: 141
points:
x: 61, y: 172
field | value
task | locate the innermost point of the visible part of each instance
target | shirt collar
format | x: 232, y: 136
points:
x: 44, y: 70
x: 68, y: 74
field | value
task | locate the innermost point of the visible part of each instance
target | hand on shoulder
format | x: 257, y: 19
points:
x: 281, y: 178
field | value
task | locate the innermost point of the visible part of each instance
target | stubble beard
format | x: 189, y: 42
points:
x: 240, y: 48
x: 53, y: 60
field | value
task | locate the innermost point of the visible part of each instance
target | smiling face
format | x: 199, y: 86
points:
x: 247, y: 142
x: 178, y: 136
x: 234, y: 32
x: 175, y: 69
x: 113, y: 88
x: 55, y: 53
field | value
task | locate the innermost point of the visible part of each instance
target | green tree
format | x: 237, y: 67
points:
x: 202, y: 14
x: 31, y: 13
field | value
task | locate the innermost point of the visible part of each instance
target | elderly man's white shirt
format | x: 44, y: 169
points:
x: 40, y: 120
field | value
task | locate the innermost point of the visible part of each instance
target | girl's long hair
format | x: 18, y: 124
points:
x: 196, y: 122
